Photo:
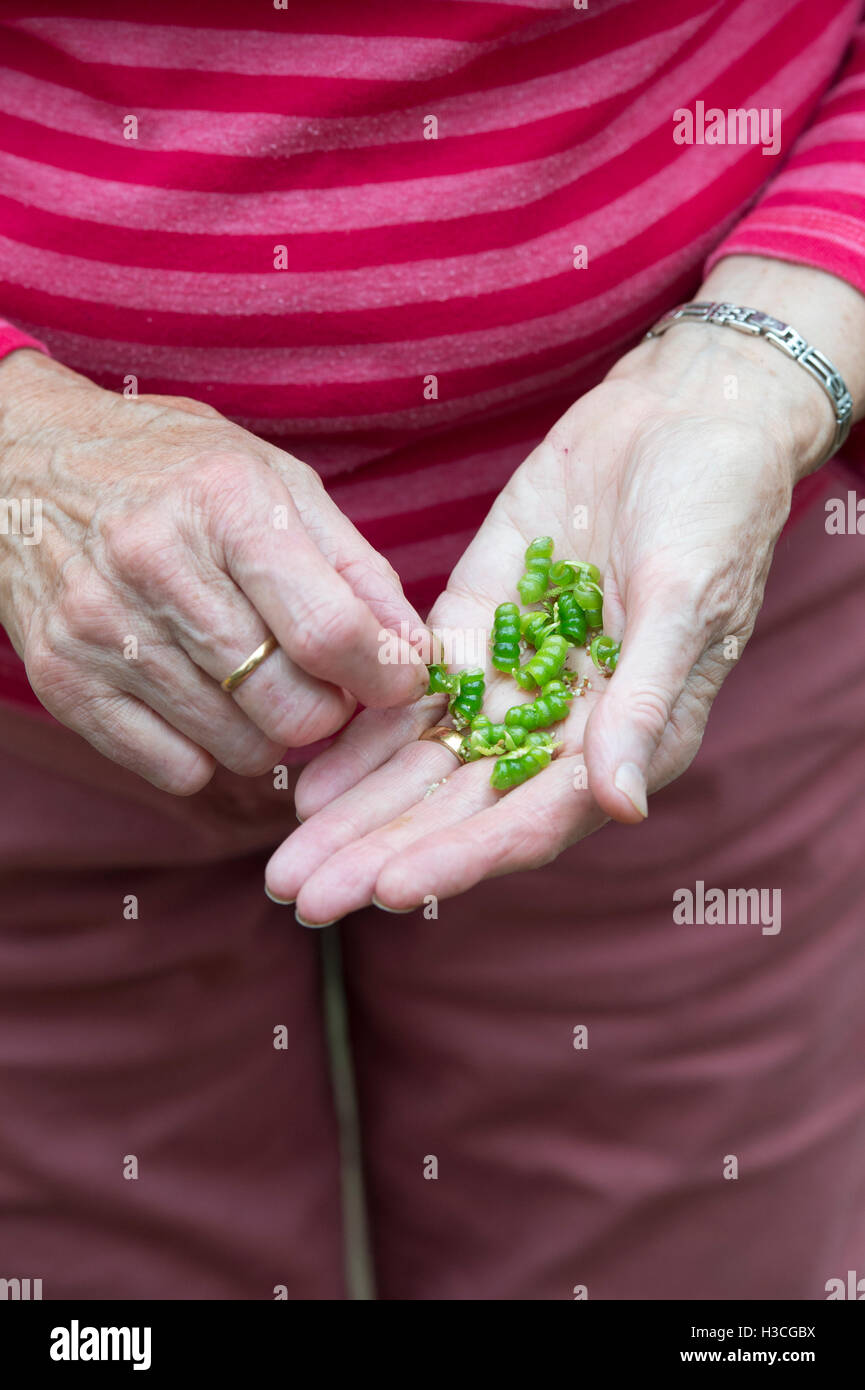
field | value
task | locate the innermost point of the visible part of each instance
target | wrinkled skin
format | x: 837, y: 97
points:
x: 686, y: 493
x: 166, y: 524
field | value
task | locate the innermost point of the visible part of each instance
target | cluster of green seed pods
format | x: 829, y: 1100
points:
x: 571, y: 599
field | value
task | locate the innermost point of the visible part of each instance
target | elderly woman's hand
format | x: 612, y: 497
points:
x: 172, y: 542
x: 684, y: 460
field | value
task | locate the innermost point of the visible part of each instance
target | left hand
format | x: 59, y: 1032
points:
x: 686, y: 492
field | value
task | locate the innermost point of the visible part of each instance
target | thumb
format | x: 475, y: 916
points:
x: 626, y: 726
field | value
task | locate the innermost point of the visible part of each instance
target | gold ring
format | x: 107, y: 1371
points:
x: 446, y: 736
x: 246, y: 668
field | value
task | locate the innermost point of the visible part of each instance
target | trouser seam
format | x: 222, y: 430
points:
x: 357, y: 1251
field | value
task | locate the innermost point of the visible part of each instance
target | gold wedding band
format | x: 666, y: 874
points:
x: 246, y: 668
x: 446, y: 736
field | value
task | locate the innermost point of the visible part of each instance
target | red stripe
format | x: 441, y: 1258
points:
x: 470, y: 20
x: 838, y: 152
x: 436, y: 520
x: 683, y: 226
x: 391, y: 245
x: 581, y: 39
x: 844, y: 104
x: 285, y: 399
x: 476, y: 437
x: 195, y: 171
x: 806, y: 246
x: 495, y: 431
x: 830, y: 200
x: 127, y: 162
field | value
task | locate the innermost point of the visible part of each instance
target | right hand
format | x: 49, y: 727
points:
x: 159, y: 525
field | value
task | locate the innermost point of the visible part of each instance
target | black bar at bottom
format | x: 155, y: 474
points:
x: 154, y: 1342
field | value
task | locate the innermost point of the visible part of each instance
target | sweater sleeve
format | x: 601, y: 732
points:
x: 12, y: 338
x: 813, y: 212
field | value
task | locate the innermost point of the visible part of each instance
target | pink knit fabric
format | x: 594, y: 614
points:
x: 156, y: 168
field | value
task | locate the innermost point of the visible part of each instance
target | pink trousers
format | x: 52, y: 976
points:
x: 560, y: 1085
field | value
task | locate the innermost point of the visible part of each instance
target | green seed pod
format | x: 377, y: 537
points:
x: 523, y: 677
x: 466, y: 703
x: 548, y: 660
x: 591, y: 600
x: 439, y: 680
x: 549, y: 707
x: 474, y: 747
x: 489, y: 740
x: 605, y: 652
x: 533, y: 584
x: 535, y: 626
x: 588, y: 574
x: 505, y: 637
x: 514, y: 768
x: 537, y: 738
x: 476, y: 743
x: 562, y: 574
x: 571, y: 619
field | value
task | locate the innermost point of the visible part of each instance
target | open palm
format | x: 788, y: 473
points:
x: 680, y: 509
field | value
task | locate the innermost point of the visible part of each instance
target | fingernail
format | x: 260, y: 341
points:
x: 630, y: 780
x: 314, y: 925
x: 283, y: 902
x: 397, y: 911
x: 297, y: 817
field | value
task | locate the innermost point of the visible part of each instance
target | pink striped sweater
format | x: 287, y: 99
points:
x: 353, y: 227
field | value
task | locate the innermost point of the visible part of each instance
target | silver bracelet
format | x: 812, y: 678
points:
x: 780, y: 335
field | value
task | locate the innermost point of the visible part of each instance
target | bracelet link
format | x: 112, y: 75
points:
x: 731, y: 316
x: 782, y: 336
x: 789, y: 341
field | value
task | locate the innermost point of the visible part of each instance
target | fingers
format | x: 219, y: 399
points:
x: 289, y: 706
x: 391, y: 799
x: 167, y: 681
x: 171, y: 634
x: 367, y: 743
x: 391, y: 803
x: 346, y: 880
x: 313, y: 612
x: 526, y: 827
x: 155, y: 578
x: 375, y: 736
x: 126, y: 731
x: 368, y: 573
x: 440, y: 845
x: 626, y: 726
